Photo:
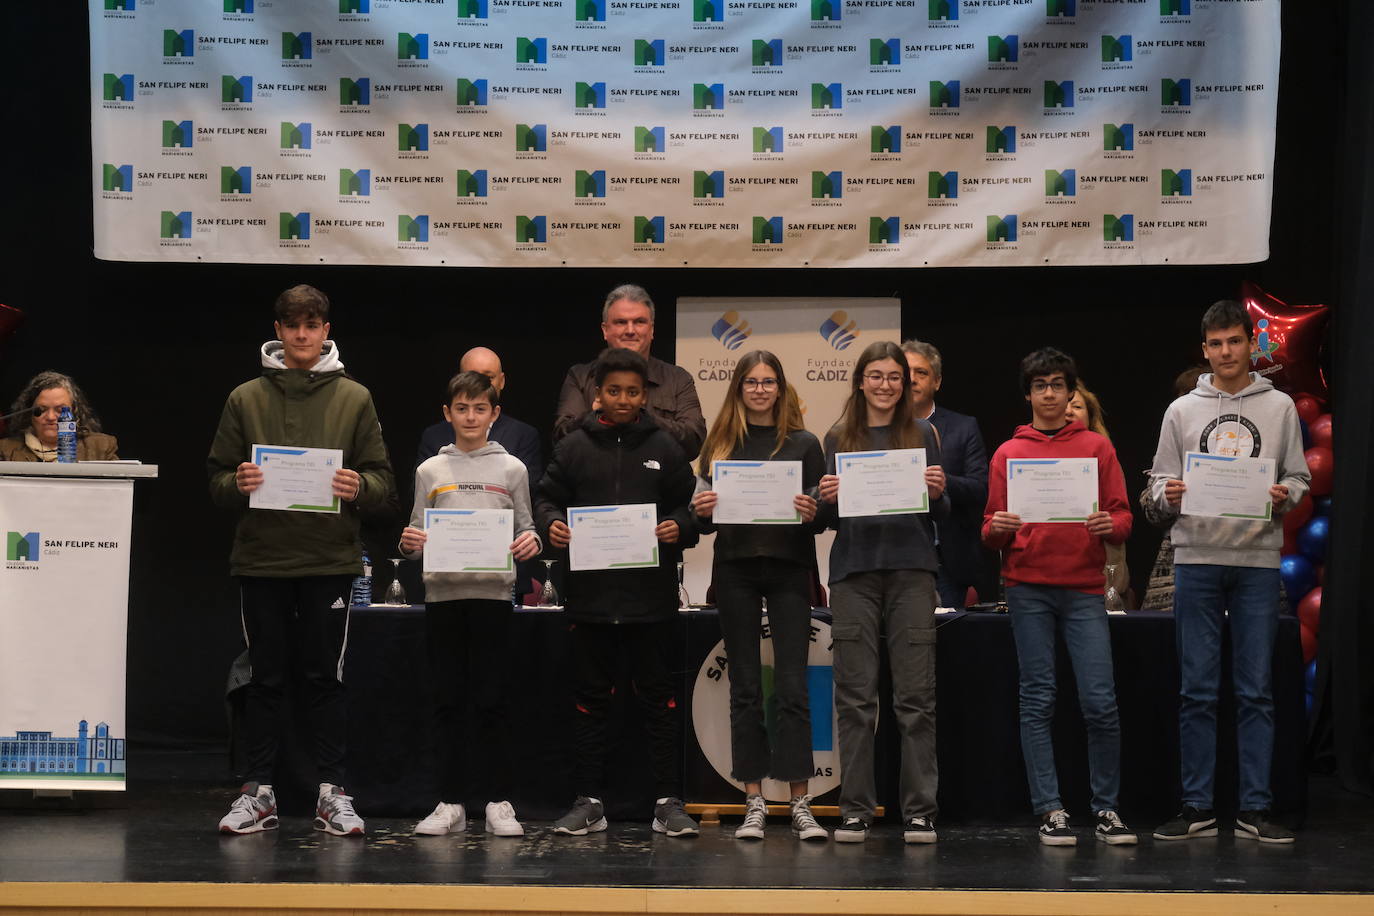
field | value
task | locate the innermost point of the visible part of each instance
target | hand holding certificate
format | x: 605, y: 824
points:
x: 469, y: 540
x: 882, y: 483
x: 1052, y: 489
x: 756, y: 492
x: 612, y: 537
x: 296, y: 479
x: 1221, y: 486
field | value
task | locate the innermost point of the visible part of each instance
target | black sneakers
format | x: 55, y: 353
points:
x: 1054, y: 829
x: 851, y: 830
x: 1112, y: 831
x: 1255, y: 825
x: 1188, y: 824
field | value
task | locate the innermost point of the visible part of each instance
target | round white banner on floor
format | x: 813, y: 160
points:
x: 711, y: 711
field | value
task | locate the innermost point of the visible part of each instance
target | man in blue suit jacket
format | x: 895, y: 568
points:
x: 963, y: 559
x: 520, y: 439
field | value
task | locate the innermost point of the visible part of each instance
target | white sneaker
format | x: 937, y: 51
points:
x: 254, y: 810
x: 445, y: 819
x: 501, y: 820
x: 334, y: 812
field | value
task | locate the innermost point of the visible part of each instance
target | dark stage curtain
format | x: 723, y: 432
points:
x: 1344, y: 724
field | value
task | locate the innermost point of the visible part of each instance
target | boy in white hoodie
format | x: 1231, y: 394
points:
x: 1228, y: 566
x: 468, y: 614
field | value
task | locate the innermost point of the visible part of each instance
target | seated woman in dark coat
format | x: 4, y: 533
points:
x: 33, y: 436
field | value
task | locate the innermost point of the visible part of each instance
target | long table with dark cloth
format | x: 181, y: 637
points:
x: 982, y: 776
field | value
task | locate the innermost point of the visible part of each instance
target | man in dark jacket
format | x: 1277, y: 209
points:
x: 627, y: 322
x: 295, y: 568
x: 619, y: 456
x: 964, y: 563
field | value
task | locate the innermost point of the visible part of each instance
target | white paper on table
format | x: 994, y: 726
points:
x: 882, y: 483
x: 296, y: 479
x: 613, y: 537
x: 469, y: 540
x: 1226, y: 486
x: 756, y: 492
x: 1052, y: 489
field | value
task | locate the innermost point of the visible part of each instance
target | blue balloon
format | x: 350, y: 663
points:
x: 1321, y: 506
x: 1298, y: 576
x: 1306, y: 434
x: 1310, y: 679
x: 1313, y: 537
x: 1308, y: 703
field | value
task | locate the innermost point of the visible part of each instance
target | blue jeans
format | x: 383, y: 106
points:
x: 1037, y: 613
x: 1202, y: 594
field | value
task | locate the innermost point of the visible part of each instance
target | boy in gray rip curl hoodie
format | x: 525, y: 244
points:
x: 1228, y: 566
x: 468, y: 614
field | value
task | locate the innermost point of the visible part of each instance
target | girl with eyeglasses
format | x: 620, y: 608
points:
x: 882, y: 585
x: 761, y: 420
x: 34, y: 415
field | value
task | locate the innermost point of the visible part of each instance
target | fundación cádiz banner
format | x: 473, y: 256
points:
x: 708, y: 133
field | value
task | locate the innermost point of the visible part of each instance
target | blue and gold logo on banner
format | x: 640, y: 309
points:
x: 839, y: 330
x: 730, y: 329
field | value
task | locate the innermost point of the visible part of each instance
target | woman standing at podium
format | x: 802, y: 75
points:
x: 34, y: 415
x: 761, y: 420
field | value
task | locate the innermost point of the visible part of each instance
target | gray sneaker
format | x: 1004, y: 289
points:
x: 669, y: 818
x: 587, y: 816
x: 334, y: 812
x: 804, y: 824
x: 755, y: 819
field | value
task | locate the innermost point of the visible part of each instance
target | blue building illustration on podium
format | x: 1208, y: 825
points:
x: 40, y: 754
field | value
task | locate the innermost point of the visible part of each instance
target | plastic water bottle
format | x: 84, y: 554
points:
x: 362, y: 585
x: 66, y: 436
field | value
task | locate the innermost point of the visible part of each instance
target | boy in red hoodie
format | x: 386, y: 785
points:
x: 1053, y: 572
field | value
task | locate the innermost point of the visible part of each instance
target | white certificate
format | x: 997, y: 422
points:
x: 1222, y: 486
x: 882, y: 483
x: 756, y: 492
x: 296, y: 479
x: 613, y: 537
x: 469, y: 540
x: 1052, y: 489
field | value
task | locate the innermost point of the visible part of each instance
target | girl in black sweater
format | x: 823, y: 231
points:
x: 761, y: 420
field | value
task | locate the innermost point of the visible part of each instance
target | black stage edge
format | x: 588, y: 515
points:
x: 166, y: 833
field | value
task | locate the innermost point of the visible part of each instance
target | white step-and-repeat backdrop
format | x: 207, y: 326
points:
x: 720, y: 133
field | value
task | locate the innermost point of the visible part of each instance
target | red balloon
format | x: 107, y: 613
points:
x: 1297, y: 516
x: 1320, y: 430
x: 1309, y: 610
x: 1308, y: 410
x: 1309, y: 644
x: 1287, y: 338
x: 1320, y: 462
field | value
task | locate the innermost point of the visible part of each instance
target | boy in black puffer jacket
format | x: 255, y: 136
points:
x: 619, y: 456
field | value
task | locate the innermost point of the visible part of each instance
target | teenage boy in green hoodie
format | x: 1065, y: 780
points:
x: 295, y: 569
x: 1228, y: 567
x: 618, y: 455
